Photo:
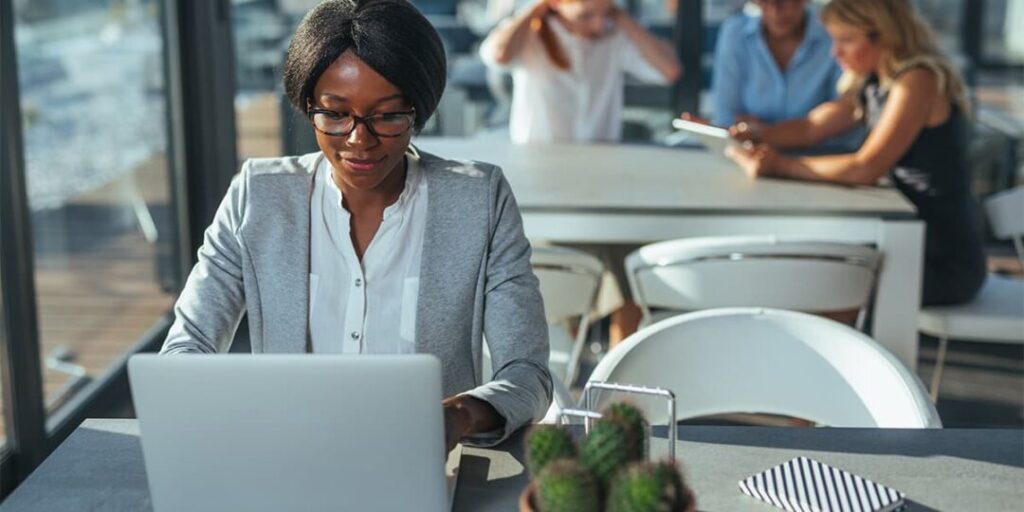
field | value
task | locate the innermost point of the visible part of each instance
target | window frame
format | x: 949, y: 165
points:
x: 201, y: 159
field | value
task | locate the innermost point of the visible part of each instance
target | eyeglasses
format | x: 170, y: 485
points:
x: 386, y: 124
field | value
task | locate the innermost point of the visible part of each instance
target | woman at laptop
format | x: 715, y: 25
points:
x: 370, y: 246
x: 911, y: 98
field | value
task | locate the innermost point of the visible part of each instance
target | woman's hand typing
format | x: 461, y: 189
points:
x: 465, y: 415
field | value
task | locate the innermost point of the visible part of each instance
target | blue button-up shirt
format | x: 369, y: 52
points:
x: 746, y: 80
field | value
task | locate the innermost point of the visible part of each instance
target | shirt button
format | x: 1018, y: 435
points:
x: 355, y: 335
x: 359, y: 282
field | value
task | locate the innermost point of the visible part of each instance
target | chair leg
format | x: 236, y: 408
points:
x: 940, y: 361
x: 573, y: 365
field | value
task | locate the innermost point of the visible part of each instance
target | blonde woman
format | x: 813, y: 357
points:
x: 911, y: 98
x: 568, y: 59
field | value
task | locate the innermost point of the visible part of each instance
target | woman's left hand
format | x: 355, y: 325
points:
x: 756, y: 160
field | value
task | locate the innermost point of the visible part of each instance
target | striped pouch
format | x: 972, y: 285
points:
x: 805, y: 485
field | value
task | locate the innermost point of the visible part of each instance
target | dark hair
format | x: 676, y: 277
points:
x: 390, y: 36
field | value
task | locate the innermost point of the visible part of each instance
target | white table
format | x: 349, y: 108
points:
x: 640, y: 194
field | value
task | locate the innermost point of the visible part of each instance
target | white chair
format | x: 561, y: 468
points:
x: 691, y: 274
x: 753, y: 360
x: 996, y: 314
x: 569, y: 282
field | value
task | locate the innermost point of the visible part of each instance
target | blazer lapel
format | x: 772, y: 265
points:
x: 276, y: 234
x: 454, y: 250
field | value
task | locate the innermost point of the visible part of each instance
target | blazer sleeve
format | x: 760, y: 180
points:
x: 514, y: 324
x: 210, y: 306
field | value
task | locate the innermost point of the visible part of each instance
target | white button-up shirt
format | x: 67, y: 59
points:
x: 581, y: 104
x: 366, y: 307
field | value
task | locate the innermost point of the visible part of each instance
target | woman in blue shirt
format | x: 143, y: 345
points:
x: 772, y: 67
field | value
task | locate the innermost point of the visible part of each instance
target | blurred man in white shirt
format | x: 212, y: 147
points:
x: 568, y: 60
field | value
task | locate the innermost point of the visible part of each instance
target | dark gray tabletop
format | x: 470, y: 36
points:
x: 100, y: 467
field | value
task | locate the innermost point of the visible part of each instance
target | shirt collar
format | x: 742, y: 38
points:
x: 815, y: 30
x: 412, y: 177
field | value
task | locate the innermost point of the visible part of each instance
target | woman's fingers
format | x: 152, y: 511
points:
x: 686, y: 116
x: 746, y: 130
x: 749, y: 156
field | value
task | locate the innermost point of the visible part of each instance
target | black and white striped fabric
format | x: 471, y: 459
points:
x: 805, y: 485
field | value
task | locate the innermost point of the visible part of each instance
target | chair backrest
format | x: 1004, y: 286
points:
x: 569, y: 281
x: 710, y: 272
x: 753, y: 360
x: 1006, y: 216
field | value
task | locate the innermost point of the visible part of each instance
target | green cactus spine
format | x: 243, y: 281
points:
x: 649, y: 487
x: 547, y: 443
x: 606, y: 451
x: 630, y: 417
x: 566, y: 486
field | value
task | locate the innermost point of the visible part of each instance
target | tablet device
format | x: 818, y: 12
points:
x: 714, y: 138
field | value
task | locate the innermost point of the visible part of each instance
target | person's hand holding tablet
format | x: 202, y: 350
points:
x: 716, y: 139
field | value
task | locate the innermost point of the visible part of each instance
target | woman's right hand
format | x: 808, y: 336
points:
x: 747, y: 129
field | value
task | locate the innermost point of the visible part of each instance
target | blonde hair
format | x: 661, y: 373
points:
x: 906, y: 40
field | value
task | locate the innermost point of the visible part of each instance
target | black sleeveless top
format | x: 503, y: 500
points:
x: 934, y: 174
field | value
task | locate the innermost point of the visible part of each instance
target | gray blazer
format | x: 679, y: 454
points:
x: 475, y: 280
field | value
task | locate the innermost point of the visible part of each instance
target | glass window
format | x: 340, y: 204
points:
x: 94, y: 126
x: 262, y: 30
x: 1003, y: 32
x: 946, y: 20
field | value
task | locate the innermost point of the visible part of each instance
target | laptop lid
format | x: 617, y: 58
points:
x: 291, y: 432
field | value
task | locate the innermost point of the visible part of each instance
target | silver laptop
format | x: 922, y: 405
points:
x: 292, y: 432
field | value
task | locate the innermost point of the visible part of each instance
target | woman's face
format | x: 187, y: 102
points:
x: 782, y: 18
x: 585, y: 18
x: 853, y: 48
x: 361, y: 160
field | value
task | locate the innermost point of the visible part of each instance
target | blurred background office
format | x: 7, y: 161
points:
x: 124, y: 120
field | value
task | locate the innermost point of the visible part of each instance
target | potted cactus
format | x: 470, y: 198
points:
x: 547, y: 443
x: 607, y: 472
x: 650, y: 487
x: 606, y: 450
x: 565, y: 485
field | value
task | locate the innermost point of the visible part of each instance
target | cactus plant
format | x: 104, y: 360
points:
x: 565, y: 485
x: 650, y: 487
x: 636, y: 426
x: 547, y: 443
x: 606, y: 451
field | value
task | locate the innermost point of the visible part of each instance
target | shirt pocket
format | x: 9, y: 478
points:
x: 407, y: 324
